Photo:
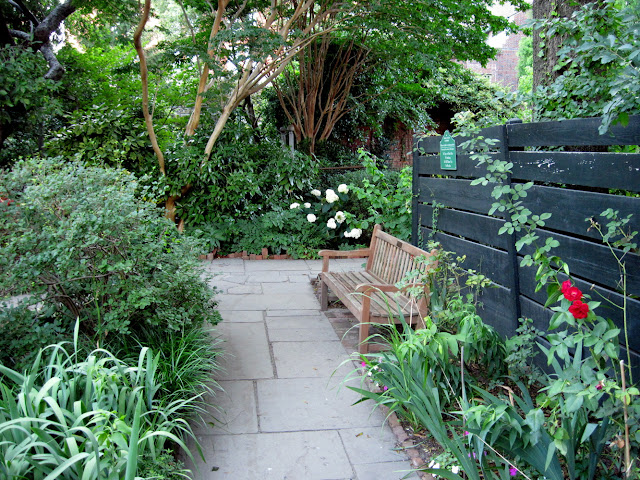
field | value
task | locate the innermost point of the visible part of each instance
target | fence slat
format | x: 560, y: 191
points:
x: 472, y: 226
x: 570, y: 208
x: 486, y: 260
x: 594, y: 263
x: 622, y: 170
x: 455, y: 193
x: 576, y: 132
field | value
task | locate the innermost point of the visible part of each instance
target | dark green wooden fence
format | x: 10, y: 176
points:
x: 570, y: 185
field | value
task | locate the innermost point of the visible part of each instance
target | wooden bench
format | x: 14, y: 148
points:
x: 371, y: 294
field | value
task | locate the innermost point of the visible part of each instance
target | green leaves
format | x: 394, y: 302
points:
x: 82, y: 231
x: 84, y: 419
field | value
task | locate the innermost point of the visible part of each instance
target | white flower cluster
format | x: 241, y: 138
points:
x: 311, y: 218
x: 315, y: 192
x: 343, y: 188
x: 331, y: 223
x: 294, y: 206
x: 355, y: 233
x: 331, y: 196
x: 340, y: 216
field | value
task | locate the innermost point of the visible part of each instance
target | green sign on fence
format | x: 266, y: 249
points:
x: 448, y: 152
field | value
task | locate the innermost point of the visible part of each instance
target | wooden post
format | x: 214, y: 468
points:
x: 511, y: 251
x: 415, y: 190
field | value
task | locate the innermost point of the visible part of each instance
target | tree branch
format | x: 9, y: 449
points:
x: 56, y: 70
x: 51, y: 23
x: 137, y: 42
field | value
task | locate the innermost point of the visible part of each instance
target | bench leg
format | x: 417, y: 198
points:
x: 324, y: 296
x: 363, y: 348
x: 364, y: 324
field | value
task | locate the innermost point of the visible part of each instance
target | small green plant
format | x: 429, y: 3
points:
x: 388, y: 202
x: 70, y: 418
x: 521, y: 350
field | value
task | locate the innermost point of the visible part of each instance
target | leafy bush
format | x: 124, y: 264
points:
x: 105, y: 135
x: 242, y: 179
x: 388, y: 199
x: 27, y: 101
x: 23, y: 328
x: 75, y: 419
x: 83, y: 246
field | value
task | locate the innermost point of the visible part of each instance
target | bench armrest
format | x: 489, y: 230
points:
x: 327, y: 254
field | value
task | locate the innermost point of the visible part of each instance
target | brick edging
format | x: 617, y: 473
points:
x: 264, y: 255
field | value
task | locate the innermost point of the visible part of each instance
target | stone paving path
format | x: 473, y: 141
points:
x: 284, y: 416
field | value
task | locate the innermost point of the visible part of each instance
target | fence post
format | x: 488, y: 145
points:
x: 415, y: 214
x: 511, y: 249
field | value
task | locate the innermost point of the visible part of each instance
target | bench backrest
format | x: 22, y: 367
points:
x: 391, y: 258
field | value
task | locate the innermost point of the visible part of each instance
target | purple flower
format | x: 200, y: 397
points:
x: 385, y: 388
x: 364, y: 364
x: 513, y: 471
x: 466, y: 433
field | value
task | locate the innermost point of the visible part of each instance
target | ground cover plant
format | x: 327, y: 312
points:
x: 73, y: 417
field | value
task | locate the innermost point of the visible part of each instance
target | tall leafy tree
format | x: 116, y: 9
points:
x: 546, y: 45
x: 29, y: 30
x: 408, y: 35
x: 596, y: 70
x: 250, y: 43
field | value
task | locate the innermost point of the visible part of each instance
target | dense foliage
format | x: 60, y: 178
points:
x: 72, y: 417
x: 598, y: 64
x: 81, y: 245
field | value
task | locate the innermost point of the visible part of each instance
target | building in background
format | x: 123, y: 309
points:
x: 504, y: 68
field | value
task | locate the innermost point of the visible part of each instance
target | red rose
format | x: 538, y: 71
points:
x: 572, y: 294
x: 579, y: 309
x: 566, y: 285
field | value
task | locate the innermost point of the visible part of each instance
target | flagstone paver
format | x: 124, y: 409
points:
x: 286, y: 412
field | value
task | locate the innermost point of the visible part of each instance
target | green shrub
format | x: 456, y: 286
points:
x: 242, y: 179
x: 388, y: 196
x: 105, y: 135
x: 84, y: 246
x: 26, y: 329
x: 68, y: 418
x: 282, y: 230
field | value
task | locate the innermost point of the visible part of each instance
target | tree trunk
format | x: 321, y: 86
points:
x: 543, y: 73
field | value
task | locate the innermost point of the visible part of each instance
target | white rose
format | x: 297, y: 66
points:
x: 307, y: 205
x: 311, y: 218
x: 355, y: 233
x: 294, y: 205
x: 342, y: 188
x: 331, y: 196
x: 455, y: 469
x: 316, y: 192
x: 332, y: 223
x: 340, y: 217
